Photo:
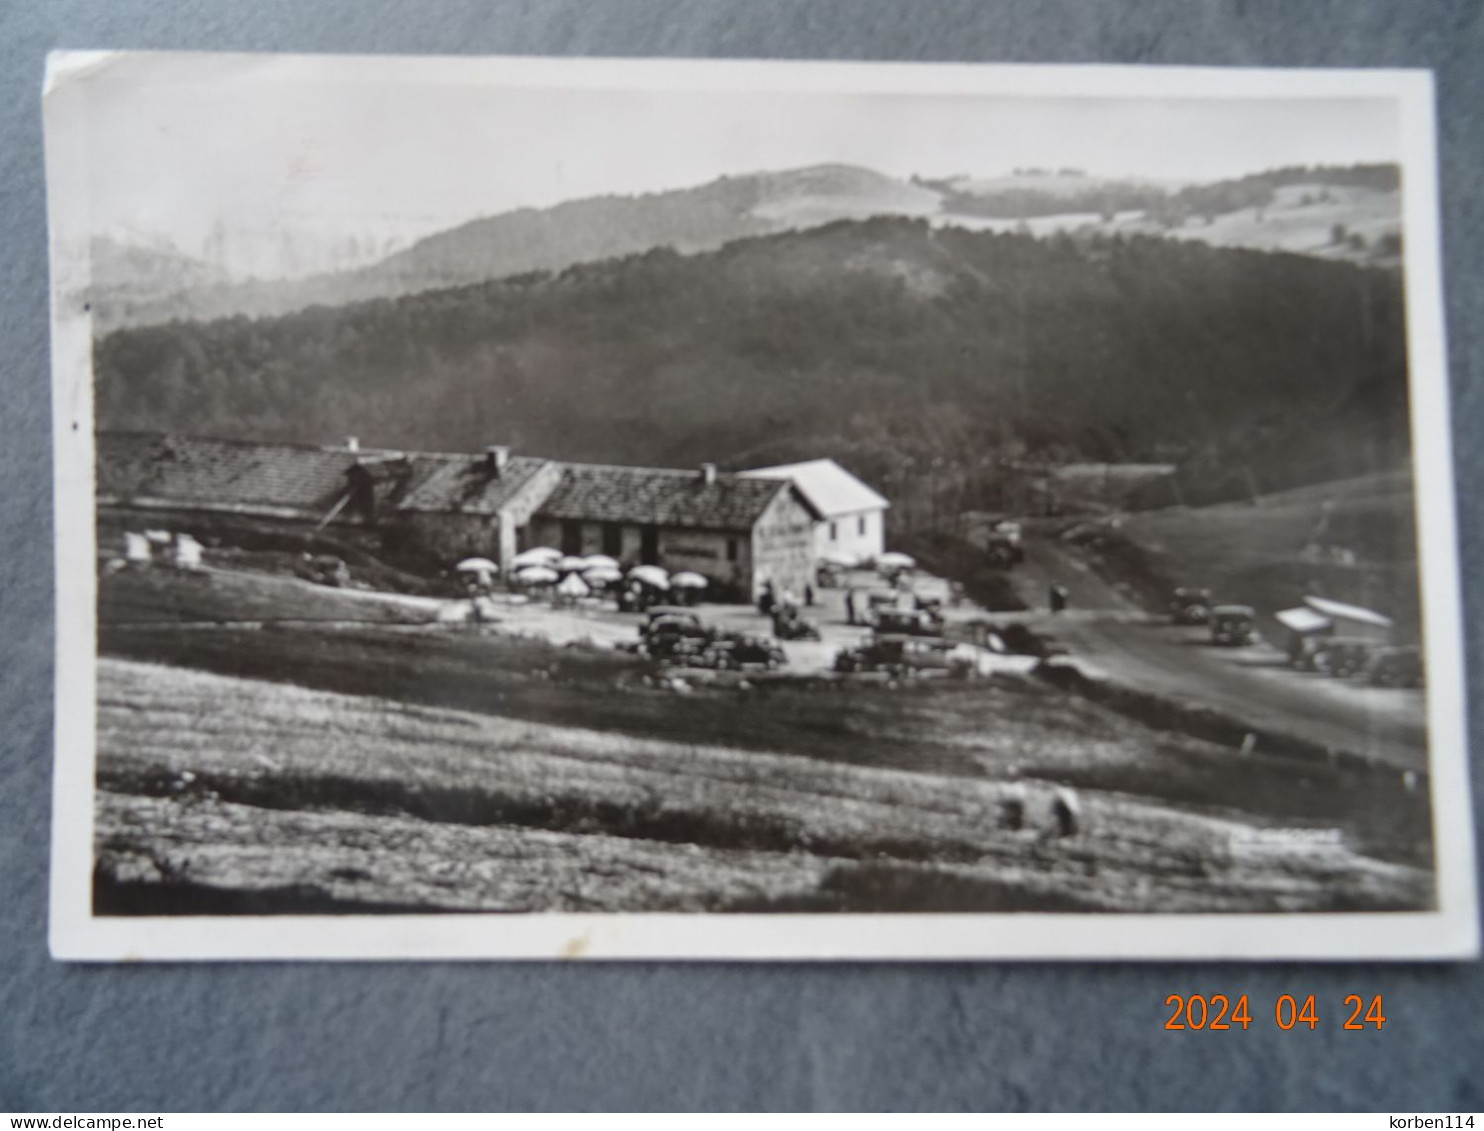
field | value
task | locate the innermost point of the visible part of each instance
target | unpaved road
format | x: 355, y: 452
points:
x: 1111, y: 637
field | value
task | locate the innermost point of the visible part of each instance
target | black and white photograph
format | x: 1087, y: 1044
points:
x: 620, y: 509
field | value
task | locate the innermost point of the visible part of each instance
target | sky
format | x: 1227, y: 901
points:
x: 278, y: 167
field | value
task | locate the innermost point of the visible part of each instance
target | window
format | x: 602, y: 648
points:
x: 731, y: 549
x: 833, y: 531
x: 613, y: 539
x: 861, y: 529
x: 571, y: 537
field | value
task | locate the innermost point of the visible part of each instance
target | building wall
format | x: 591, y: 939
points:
x: 783, y: 547
x: 519, y: 512
x: 843, y: 536
x: 723, y: 557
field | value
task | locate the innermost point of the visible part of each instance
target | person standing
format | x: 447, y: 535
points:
x: 850, y: 605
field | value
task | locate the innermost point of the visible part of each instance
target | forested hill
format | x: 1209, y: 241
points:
x: 884, y: 343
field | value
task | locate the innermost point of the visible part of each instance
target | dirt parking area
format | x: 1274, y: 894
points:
x: 598, y: 622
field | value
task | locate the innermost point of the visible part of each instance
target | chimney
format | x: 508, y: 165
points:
x: 497, y: 456
x: 352, y: 444
x: 708, y: 473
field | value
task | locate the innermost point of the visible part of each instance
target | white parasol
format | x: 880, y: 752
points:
x: 602, y: 575
x: 895, y: 560
x: 477, y: 565
x: 539, y: 556
x: 536, y: 575
x: 688, y: 580
x: 601, y: 561
x: 651, y: 575
x: 569, y: 565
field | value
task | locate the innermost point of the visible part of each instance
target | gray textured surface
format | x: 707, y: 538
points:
x: 540, y: 1036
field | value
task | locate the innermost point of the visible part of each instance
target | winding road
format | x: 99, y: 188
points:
x: 1111, y: 637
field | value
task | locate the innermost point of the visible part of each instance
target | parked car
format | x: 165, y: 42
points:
x: 1191, y: 606
x: 325, y: 569
x: 788, y: 624
x: 1396, y: 666
x: 737, y: 650
x: 1021, y: 640
x: 1233, y: 625
x: 907, y: 622
x: 1335, y: 655
x: 902, y: 655
x: 675, y: 635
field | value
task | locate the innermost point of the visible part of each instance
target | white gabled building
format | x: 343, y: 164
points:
x: 851, y: 526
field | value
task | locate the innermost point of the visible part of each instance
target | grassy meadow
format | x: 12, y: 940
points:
x: 327, y: 766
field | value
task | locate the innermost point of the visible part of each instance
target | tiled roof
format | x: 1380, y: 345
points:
x: 453, y: 483
x: 831, y: 489
x: 183, y: 469
x: 662, y: 497
x: 242, y: 473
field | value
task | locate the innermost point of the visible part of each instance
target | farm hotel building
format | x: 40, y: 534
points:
x: 851, y: 527
x: 738, y: 531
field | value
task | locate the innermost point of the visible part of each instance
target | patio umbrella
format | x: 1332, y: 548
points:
x: 602, y: 575
x: 569, y: 565
x: 536, y: 575
x: 896, y: 560
x: 601, y: 561
x: 477, y: 565
x: 651, y: 575
x: 572, y: 586
x: 688, y: 580
x: 539, y: 556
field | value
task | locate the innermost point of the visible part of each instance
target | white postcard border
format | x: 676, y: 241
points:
x: 1450, y: 932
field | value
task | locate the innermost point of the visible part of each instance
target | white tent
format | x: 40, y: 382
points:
x: 572, y: 586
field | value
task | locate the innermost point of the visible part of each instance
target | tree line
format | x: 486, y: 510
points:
x: 906, y: 352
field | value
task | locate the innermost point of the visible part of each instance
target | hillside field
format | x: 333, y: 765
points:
x: 305, y: 766
x: 1352, y: 540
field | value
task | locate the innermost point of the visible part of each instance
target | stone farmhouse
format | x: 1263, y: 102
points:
x: 738, y: 531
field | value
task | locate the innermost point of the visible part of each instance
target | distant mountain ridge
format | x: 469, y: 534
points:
x: 709, y: 216
x: 902, y: 349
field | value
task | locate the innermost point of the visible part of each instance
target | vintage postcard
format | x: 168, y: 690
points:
x: 533, y: 508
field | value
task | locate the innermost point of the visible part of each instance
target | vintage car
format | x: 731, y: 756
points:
x: 324, y: 569
x: 1017, y: 639
x: 1002, y: 551
x: 1396, y: 666
x: 737, y: 650
x: 1191, y: 606
x: 902, y: 655
x: 906, y: 622
x: 1337, y: 655
x: 1233, y: 625
x: 789, y: 624
x: 675, y: 635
